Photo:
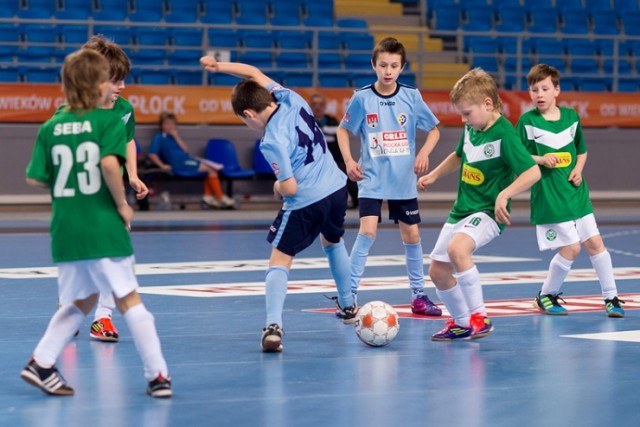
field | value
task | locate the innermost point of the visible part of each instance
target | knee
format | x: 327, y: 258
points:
x: 439, y: 274
x: 570, y: 252
x: 594, y: 245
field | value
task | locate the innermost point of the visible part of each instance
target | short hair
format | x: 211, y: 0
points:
x: 389, y: 45
x: 540, y: 72
x: 166, y: 115
x: 249, y: 95
x: 475, y: 86
x: 119, y: 63
x: 82, y: 73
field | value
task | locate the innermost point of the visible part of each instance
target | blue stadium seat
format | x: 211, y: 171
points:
x: 329, y: 61
x: 291, y: 41
x: 184, y: 57
x: 257, y: 59
x: 181, y: 17
x: 147, y: 16
x: 511, y: 19
x: 40, y: 75
x: 334, y: 80
x: 188, y: 37
x: 292, y: 60
x: 487, y: 63
x: 8, y: 8
x: 446, y: 17
x: 605, y: 22
x: 40, y: 44
x: 624, y: 67
x: 592, y: 85
x: 256, y: 39
x: 83, y: 6
x: 362, y: 79
x: 9, y: 74
x: 628, y: 85
x: 9, y: 34
x: 153, y: 37
x: 154, y: 77
x: 219, y: 79
x: 287, y: 7
x: 355, y: 23
x: 631, y: 22
x: 72, y: 14
x: 478, y: 19
x: 597, y: 4
x: 551, y: 52
x: 188, y: 77
x: 260, y: 165
x: 329, y: 40
x: 574, y: 21
x: 357, y: 61
x: 120, y: 35
x: 217, y: 12
x: 188, y: 6
x: 319, y: 8
x: 543, y: 20
x: 302, y: 79
x: 112, y: 15
x: 73, y: 35
x: 47, y: 6
x: 321, y: 21
x: 358, y: 42
x: 567, y: 84
x: 150, y: 6
x: 486, y: 45
x: 222, y: 38
x: 625, y: 5
x: 223, y: 151
x: 288, y: 20
x: 583, y: 56
x: 499, y: 4
x: 408, y: 78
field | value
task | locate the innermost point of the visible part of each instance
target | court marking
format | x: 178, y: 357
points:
x: 518, y: 307
x: 211, y: 290
x: 237, y: 266
x: 625, y: 336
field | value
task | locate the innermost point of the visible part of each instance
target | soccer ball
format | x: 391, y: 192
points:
x: 377, y: 323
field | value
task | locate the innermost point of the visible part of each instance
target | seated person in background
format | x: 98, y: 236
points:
x: 329, y: 126
x: 169, y: 152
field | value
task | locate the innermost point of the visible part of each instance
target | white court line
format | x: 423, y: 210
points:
x: 626, y: 336
x: 237, y: 266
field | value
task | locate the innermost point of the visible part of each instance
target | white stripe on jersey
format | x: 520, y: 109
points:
x: 550, y: 139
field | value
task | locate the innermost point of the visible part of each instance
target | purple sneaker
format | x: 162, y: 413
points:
x: 452, y: 332
x: 422, y: 305
x: 481, y: 326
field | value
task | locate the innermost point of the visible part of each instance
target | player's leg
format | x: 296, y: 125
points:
x: 78, y: 295
x: 601, y: 261
x: 563, y: 237
x: 448, y: 291
x: 407, y: 215
x: 213, y: 194
x: 102, y: 327
x: 370, y: 211
x: 276, y: 281
x: 119, y: 276
x: 333, y: 245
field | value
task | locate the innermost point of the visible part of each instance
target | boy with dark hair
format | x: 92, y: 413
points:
x: 560, y: 206
x: 308, y: 180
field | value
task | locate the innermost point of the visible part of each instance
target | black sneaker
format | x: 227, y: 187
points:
x: 272, y: 339
x: 48, y: 380
x: 347, y: 314
x: 160, y: 387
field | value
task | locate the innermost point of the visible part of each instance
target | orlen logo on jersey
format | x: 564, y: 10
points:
x: 372, y: 120
x: 394, y: 136
x: 472, y: 176
x: 564, y: 159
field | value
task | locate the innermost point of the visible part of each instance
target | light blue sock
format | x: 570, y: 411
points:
x: 359, y: 254
x: 415, y: 267
x: 340, y: 270
x: 275, y: 293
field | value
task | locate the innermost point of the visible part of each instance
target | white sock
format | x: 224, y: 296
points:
x: 604, y: 270
x: 106, y: 304
x: 469, y: 282
x: 559, y: 268
x: 456, y: 304
x: 143, y: 330
x: 63, y: 325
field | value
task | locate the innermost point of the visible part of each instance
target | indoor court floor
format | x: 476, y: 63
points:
x: 201, y: 275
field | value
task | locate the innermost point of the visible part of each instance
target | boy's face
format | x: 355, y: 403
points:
x: 388, y: 67
x: 476, y: 115
x: 168, y: 126
x: 105, y: 92
x: 318, y: 106
x: 544, y: 94
x: 116, y: 86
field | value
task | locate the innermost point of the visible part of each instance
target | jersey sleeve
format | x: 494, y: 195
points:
x: 354, y: 116
x: 521, y: 131
x: 154, y: 147
x: 38, y: 168
x: 581, y: 146
x: 425, y: 119
x: 515, y: 154
x: 277, y: 156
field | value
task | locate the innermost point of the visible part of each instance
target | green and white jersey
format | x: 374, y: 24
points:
x: 85, y: 223
x: 124, y: 110
x: 554, y: 199
x: 490, y: 161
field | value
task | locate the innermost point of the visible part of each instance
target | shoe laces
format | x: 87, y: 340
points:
x: 273, y: 329
x: 615, y: 301
x: 554, y: 299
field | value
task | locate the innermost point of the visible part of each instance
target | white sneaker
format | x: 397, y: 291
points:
x: 227, y: 201
x: 212, y: 202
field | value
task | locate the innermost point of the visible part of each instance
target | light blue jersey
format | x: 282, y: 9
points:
x: 295, y: 147
x: 387, y: 128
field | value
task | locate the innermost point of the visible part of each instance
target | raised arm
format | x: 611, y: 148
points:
x: 238, y: 69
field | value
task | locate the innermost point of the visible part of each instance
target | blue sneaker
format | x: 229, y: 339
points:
x: 548, y: 304
x: 481, y: 326
x: 613, y: 308
x: 452, y: 332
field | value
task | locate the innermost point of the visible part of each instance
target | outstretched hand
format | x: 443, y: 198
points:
x: 209, y: 63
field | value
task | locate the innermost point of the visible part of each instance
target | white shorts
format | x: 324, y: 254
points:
x: 77, y: 280
x: 479, y: 226
x: 554, y: 236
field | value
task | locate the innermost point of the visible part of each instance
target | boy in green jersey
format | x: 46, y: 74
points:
x: 488, y: 156
x: 560, y: 205
x: 102, y: 328
x: 77, y: 155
